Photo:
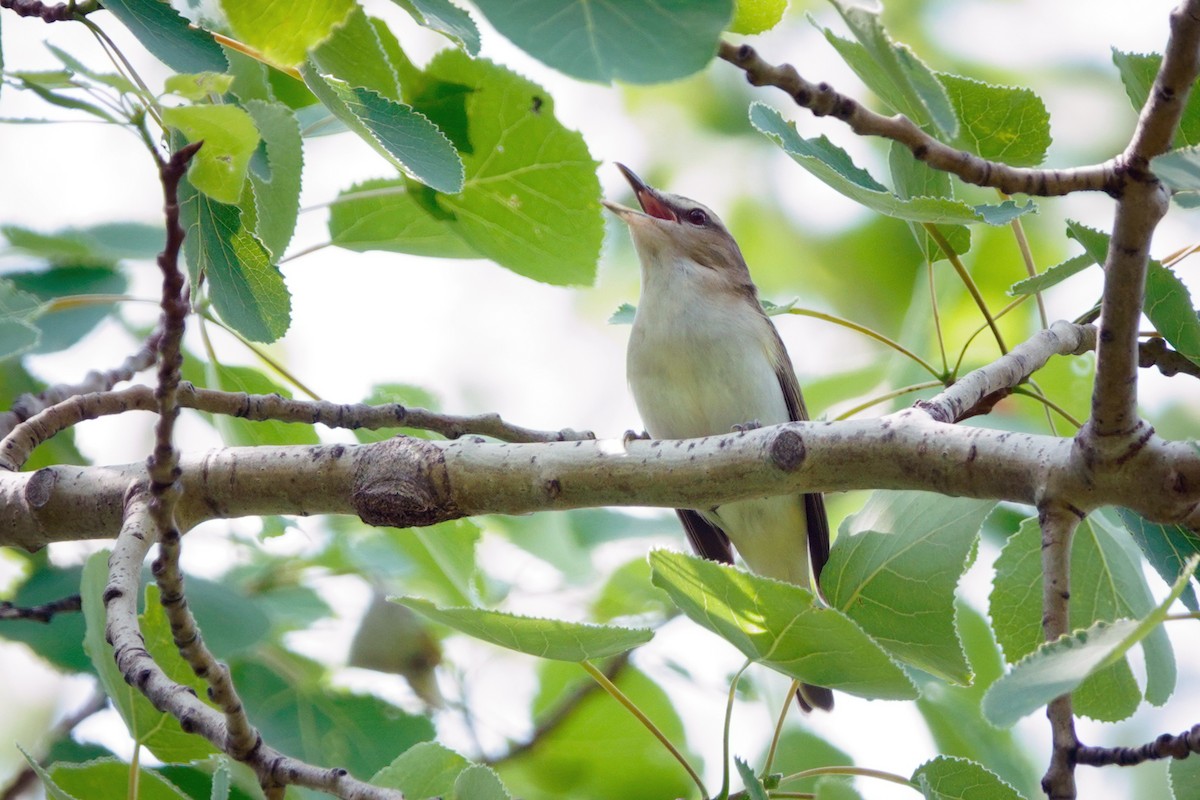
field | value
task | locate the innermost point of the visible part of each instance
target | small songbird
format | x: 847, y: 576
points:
x: 703, y: 359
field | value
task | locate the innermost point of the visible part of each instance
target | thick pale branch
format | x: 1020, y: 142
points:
x: 120, y: 600
x: 1058, y: 521
x: 822, y: 100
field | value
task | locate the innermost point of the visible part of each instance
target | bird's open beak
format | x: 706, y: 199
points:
x: 651, y: 202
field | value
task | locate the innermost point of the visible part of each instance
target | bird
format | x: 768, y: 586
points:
x: 704, y: 359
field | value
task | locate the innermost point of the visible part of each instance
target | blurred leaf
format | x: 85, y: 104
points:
x: 158, y: 731
x: 1179, y: 169
x: 756, y: 16
x: 780, y: 626
x: 60, y: 328
x: 447, y: 19
x: 198, y: 86
x: 1059, y: 667
x: 381, y: 214
x: 892, y: 71
x: 56, y: 641
x: 1184, y: 776
x: 1137, y: 73
x: 626, y: 40
x: 36, y: 83
x: 168, y: 36
x: 437, y: 561
x: 628, y: 592
x: 118, y: 82
x: 111, y: 777
x: 800, y: 750
x: 425, y: 771
x: 406, y: 395
x: 946, y: 778
x: 405, y: 137
x: 236, y: 431
x: 1166, y: 547
x: 531, y: 200
x: 284, y: 30
x: 999, y: 123
x: 275, y: 175
x: 913, y: 178
x: 479, y: 782
x: 297, y: 713
x: 831, y: 788
x: 103, y: 243
x: 597, y: 750
x: 246, y: 288
x: 391, y: 638
x: 354, y: 54
x: 52, y: 789
x: 229, y: 136
x: 19, y: 312
x: 899, y: 541
x: 1052, y: 276
x: 833, y: 165
x: 545, y: 638
x: 753, y: 786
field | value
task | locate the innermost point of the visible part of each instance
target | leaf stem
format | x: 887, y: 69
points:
x: 968, y: 282
x: 725, y: 734
x: 632, y: 708
x: 916, y: 387
x: 261, y: 354
x: 783, y: 712
x: 863, y: 772
x: 937, y: 319
x: 1027, y: 256
x: 864, y: 330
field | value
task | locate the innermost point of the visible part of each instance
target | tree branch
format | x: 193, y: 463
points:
x: 56, y: 13
x: 43, y: 612
x: 1154, y: 353
x: 822, y: 100
x: 1179, y: 745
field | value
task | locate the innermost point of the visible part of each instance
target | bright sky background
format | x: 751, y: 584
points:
x: 484, y: 339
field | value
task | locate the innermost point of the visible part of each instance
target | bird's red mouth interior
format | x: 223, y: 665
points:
x: 655, y: 207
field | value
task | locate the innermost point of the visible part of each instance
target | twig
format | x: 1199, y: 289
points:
x: 56, y: 13
x: 1007, y: 372
x: 968, y: 282
x: 1179, y: 745
x: 1154, y: 353
x: 822, y: 100
x: 17, y: 446
x: 43, y: 612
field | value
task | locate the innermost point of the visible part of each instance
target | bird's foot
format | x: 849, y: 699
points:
x: 746, y: 427
x: 631, y: 436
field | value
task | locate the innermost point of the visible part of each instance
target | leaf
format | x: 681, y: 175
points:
x: 425, y: 770
x: 999, y: 123
x: 354, y: 54
x: 275, y: 178
x: 52, y: 789
x: 913, y: 178
x: 65, y: 325
x: 1052, y: 276
x: 545, y: 638
x: 753, y: 786
x: 833, y: 165
x: 779, y: 625
x: 626, y: 40
x: 894, y: 568
x: 1166, y: 547
x: 199, y: 86
x: 946, y: 778
x: 1184, y: 778
x: 105, y: 243
x: 1179, y: 169
x: 1059, y: 667
x: 892, y: 71
x: 109, y: 777
x: 835, y: 788
x: 1137, y: 73
x: 158, y: 731
x: 383, y: 215
x: 479, y: 782
x: 246, y: 288
x: 18, y: 313
x: 438, y: 561
x: 756, y: 16
x: 531, y: 199
x: 252, y: 433
x: 167, y: 35
x: 405, y: 137
x: 229, y: 136
x: 30, y: 81
x: 447, y: 19
x: 283, y: 31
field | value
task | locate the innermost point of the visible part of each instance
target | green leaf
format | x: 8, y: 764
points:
x: 894, y: 568
x: 447, y: 19
x: 479, y: 782
x: 945, y: 778
x: 1052, y: 276
x: 1184, y: 778
x: 913, y: 178
x: 626, y: 40
x: 166, y: 34
x: 623, y: 315
x: 833, y: 788
x: 1169, y: 306
x: 148, y: 726
x: 545, y: 638
x: 230, y: 138
x: 999, y: 123
x: 198, y: 86
x: 18, y: 314
x: 756, y: 16
x: 105, y: 243
x: 52, y: 789
x: 246, y: 288
x: 531, y: 199
x: 383, y: 215
x: 294, y: 708
x: 438, y: 561
x: 405, y: 137
x: 30, y: 81
x: 779, y: 625
x: 1179, y: 169
x: 283, y: 31
x: 629, y: 592
x: 1166, y: 547
x: 275, y: 178
x: 110, y: 777
x: 1137, y: 73
x: 1059, y: 667
x: 251, y: 433
x: 753, y: 786
x: 62, y: 327
x: 833, y: 165
x: 892, y: 71
x: 354, y: 54
x: 425, y: 770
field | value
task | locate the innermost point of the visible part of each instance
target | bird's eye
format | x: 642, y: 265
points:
x: 697, y: 217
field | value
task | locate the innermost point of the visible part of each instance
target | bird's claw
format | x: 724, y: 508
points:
x: 632, y: 435
x: 746, y: 427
